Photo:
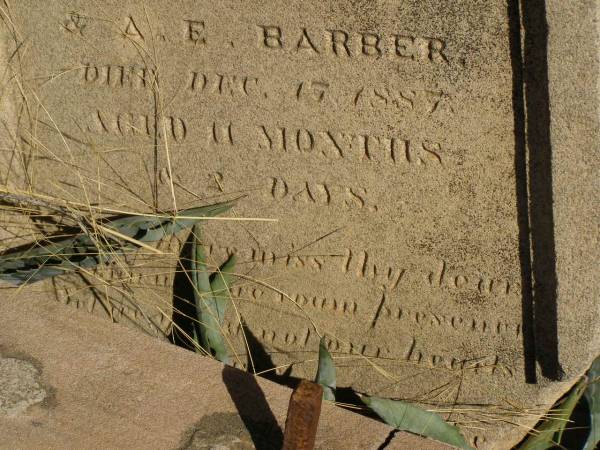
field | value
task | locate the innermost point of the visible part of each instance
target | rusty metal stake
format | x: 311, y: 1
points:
x: 303, y: 417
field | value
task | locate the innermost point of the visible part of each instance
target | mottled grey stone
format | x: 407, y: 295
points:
x: 19, y: 386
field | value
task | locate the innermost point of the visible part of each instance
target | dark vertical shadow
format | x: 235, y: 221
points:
x: 184, y: 308
x: 541, y: 209
x: 527, y: 316
x: 533, y: 170
x: 253, y: 408
x: 262, y: 362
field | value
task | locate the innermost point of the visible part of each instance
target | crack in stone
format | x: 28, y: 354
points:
x: 388, y: 439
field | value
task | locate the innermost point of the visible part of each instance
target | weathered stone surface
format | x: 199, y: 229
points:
x: 115, y: 388
x: 19, y: 386
x: 430, y: 165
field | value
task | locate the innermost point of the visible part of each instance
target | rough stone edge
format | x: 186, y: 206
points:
x: 573, y: 60
x: 574, y: 89
x: 39, y: 311
x: 574, y: 101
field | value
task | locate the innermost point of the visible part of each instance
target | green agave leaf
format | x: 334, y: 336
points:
x: 152, y: 228
x: 50, y: 258
x: 202, y: 290
x: 208, y: 327
x: 220, y: 282
x: 47, y: 259
x: 407, y: 417
x: 549, y: 433
x: 326, y: 372
x: 592, y: 395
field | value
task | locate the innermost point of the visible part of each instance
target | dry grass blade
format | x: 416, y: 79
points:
x: 549, y: 433
x: 592, y: 395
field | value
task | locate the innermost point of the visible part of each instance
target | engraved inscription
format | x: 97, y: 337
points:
x: 409, y: 350
x: 131, y: 30
x: 312, y: 91
x: 386, y: 310
x: 347, y: 44
x: 195, y: 31
x: 75, y: 23
x: 331, y: 144
x: 326, y: 304
x: 219, y: 84
x: 362, y: 265
x: 443, y: 278
x: 323, y: 194
x: 125, y: 124
x: 220, y: 134
x: 134, y: 77
x: 423, y: 102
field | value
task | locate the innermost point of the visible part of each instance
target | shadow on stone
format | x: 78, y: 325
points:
x: 533, y: 177
x: 253, y: 409
x: 263, y: 364
x: 184, y: 308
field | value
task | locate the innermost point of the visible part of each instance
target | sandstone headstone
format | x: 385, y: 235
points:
x: 430, y: 166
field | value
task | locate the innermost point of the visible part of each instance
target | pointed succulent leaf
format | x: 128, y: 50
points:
x: 407, y: 417
x: 46, y: 259
x: 326, y: 372
x: 189, y: 217
x: 154, y: 228
x: 54, y: 257
x: 207, y: 321
x: 202, y: 291
x: 220, y: 282
x: 549, y: 433
x: 592, y: 395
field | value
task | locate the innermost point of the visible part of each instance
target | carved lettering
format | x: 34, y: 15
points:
x: 133, y: 77
x: 331, y: 144
x: 422, y: 102
x: 220, y: 134
x: 128, y: 124
x: 131, y: 30
x: 316, y: 193
x: 75, y: 23
x: 312, y: 91
x: 194, y: 31
x: 442, y: 278
x: 271, y: 37
x: 349, y: 44
x: 223, y: 85
x: 489, y: 365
